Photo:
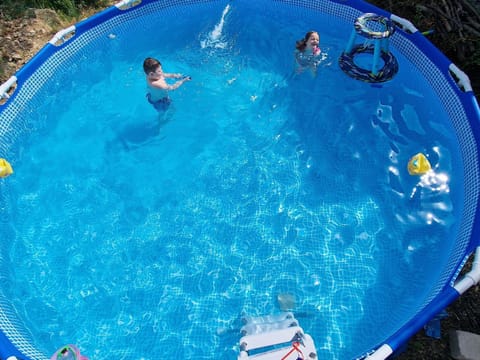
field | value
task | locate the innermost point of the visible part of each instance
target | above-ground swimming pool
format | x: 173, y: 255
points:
x: 139, y: 235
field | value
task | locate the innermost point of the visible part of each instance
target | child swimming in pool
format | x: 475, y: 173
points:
x: 157, y: 86
x: 308, y: 51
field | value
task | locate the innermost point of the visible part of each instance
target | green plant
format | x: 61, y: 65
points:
x: 10, y: 9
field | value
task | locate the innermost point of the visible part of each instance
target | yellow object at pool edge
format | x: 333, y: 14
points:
x: 5, y: 168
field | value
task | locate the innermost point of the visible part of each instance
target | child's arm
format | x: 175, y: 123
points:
x: 161, y: 84
x: 179, y: 83
x: 172, y: 76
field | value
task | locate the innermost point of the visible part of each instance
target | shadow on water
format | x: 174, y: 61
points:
x: 134, y: 134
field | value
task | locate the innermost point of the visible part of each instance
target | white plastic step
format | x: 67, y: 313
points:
x: 271, y: 338
x: 268, y: 318
x: 299, y: 344
x: 257, y: 328
x: 275, y: 337
x: 276, y: 354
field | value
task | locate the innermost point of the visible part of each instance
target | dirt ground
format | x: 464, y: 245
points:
x: 22, y: 38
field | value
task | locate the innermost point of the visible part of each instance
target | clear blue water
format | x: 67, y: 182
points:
x: 139, y: 236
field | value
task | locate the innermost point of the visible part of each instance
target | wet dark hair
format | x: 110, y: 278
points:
x: 150, y: 65
x: 302, y: 44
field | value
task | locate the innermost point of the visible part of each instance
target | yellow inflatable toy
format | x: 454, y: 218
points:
x: 418, y: 165
x: 5, y: 168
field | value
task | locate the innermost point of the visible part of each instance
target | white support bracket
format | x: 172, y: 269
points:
x: 62, y: 36
x: 6, y: 86
x: 405, y: 24
x: 461, y: 78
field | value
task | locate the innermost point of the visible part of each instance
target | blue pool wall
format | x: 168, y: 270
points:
x: 461, y: 106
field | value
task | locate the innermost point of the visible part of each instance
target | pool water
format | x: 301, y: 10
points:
x: 138, y: 235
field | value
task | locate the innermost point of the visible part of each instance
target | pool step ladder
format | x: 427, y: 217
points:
x: 275, y: 337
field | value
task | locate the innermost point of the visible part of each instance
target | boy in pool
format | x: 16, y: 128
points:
x: 157, y: 86
x: 308, y: 51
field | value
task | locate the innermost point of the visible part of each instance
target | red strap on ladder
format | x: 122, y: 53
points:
x: 294, y: 348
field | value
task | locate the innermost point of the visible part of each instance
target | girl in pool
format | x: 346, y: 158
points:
x: 308, y: 51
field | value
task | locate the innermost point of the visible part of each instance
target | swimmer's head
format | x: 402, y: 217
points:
x: 311, y: 40
x: 151, y: 65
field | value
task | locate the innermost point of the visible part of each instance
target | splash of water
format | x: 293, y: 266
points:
x: 217, y: 31
x: 214, y: 38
